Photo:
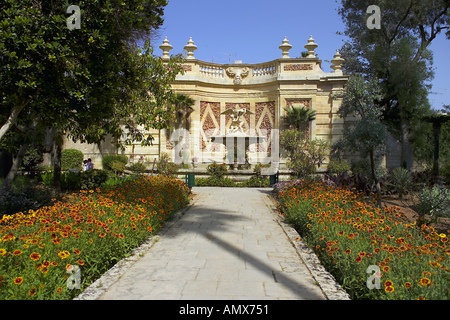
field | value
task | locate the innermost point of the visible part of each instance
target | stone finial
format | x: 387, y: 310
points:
x: 285, y: 47
x: 311, y: 46
x: 165, y: 47
x: 336, y: 63
x: 190, y: 48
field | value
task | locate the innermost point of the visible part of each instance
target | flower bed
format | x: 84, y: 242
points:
x: 57, y: 251
x: 363, y: 246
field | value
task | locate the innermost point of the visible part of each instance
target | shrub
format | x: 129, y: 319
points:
x: 338, y: 166
x: 165, y: 167
x: 93, y: 178
x: 401, y: 179
x: 445, y: 172
x: 47, y: 178
x: 217, y: 171
x: 28, y: 197
x: 434, y: 201
x: 71, y: 159
x: 261, y: 182
x: 30, y: 163
x: 110, y: 158
x: 138, y: 168
x: 117, y: 167
x: 215, y: 182
x: 258, y: 168
x: 70, y: 181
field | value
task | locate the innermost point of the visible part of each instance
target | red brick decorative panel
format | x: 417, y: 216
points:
x: 298, y: 67
x: 264, y: 122
x: 210, y: 124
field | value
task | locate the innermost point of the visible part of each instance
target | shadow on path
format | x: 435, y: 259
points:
x: 210, y: 222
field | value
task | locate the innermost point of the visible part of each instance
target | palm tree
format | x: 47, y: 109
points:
x: 298, y: 117
x: 183, y: 109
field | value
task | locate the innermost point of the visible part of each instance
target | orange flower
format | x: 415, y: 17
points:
x: 358, y: 259
x: 389, y: 289
x: 388, y: 283
x: 425, y: 282
x: 408, y: 285
x: 35, y: 256
x: 17, y: 252
x: 18, y: 280
x: 32, y: 292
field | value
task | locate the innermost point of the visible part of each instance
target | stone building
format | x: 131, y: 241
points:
x: 265, y: 89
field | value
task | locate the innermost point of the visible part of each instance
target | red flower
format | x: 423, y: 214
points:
x: 35, y: 256
x: 358, y: 259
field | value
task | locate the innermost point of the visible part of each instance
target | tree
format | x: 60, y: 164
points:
x: 396, y: 54
x: 366, y: 134
x: 437, y: 120
x: 183, y: 109
x: 88, y: 82
x: 298, y: 117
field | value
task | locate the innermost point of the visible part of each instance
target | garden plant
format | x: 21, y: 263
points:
x: 88, y: 233
x: 349, y: 235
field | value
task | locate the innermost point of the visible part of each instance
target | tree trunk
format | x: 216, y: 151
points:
x: 16, y: 165
x: 436, y: 132
x: 12, y: 118
x: 57, y: 148
x: 406, y: 157
x: 374, y: 178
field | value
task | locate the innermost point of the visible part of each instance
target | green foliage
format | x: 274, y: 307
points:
x: 71, y: 159
x: 258, y: 168
x: 107, y: 160
x: 303, y: 154
x: 366, y: 135
x: 215, y: 182
x: 338, y: 166
x: 228, y: 182
x: 259, y: 182
x: 401, y: 179
x: 29, y: 197
x: 32, y: 159
x: 398, y: 56
x: 71, y: 181
x: 434, y: 201
x: 138, y: 168
x: 117, y: 167
x: 75, y: 181
x: 115, y: 181
x: 165, y: 166
x: 445, y: 171
x: 84, y: 81
x: 298, y: 117
x: 216, y: 170
x: 93, y: 178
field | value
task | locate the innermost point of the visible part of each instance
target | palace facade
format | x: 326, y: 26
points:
x: 265, y: 89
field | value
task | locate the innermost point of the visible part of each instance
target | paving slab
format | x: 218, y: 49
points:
x: 230, y: 244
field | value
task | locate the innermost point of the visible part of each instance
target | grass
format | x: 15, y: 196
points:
x: 91, y: 231
x: 349, y: 235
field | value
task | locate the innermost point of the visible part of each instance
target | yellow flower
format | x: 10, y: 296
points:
x: 3, y: 252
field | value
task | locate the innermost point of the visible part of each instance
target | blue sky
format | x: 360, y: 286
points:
x: 252, y: 30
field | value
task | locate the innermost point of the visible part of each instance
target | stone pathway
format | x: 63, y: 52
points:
x: 229, y: 244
